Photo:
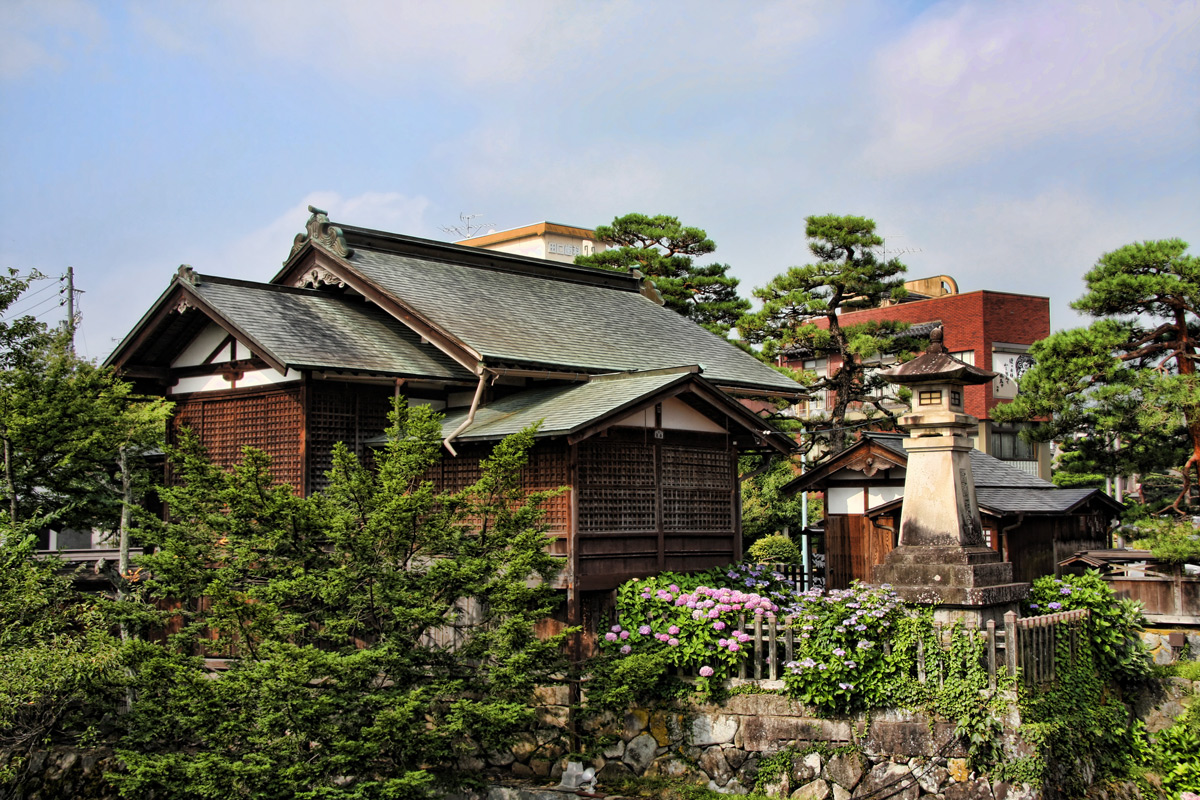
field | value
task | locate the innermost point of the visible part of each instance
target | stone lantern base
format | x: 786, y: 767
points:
x: 967, y: 584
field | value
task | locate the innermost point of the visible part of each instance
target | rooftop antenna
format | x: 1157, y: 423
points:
x: 897, y: 251
x: 467, y: 229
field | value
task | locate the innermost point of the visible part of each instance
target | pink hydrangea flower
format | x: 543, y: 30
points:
x: 644, y: 630
x: 610, y: 636
x: 624, y: 635
x: 719, y: 625
x: 706, y: 672
x: 625, y: 650
x: 673, y: 642
x: 674, y: 629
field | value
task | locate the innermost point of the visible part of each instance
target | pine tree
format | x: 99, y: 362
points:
x: 1130, y: 378
x: 384, y: 630
x: 665, y: 250
x: 848, y: 274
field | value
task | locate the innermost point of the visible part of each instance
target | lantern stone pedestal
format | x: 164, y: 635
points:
x: 941, y: 559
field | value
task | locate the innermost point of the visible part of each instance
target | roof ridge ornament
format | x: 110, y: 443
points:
x: 186, y: 274
x: 647, y: 288
x: 319, y: 231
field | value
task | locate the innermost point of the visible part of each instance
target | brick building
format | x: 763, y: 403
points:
x: 990, y: 330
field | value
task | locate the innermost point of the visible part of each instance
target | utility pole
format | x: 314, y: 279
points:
x: 70, y: 303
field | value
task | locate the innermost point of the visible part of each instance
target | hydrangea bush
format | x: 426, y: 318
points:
x: 842, y: 660
x: 693, y: 619
x: 704, y: 623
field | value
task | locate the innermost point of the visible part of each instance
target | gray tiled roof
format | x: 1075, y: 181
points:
x: 986, y: 470
x: 1012, y: 500
x: 303, y: 328
x: 991, y: 471
x: 511, y: 317
x: 560, y: 409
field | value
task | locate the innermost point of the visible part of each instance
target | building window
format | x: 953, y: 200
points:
x: 1009, y: 446
x: 930, y: 398
x: 956, y: 399
x: 965, y: 356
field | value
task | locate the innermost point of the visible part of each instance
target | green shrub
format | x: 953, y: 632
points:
x: 1114, y: 624
x: 774, y: 549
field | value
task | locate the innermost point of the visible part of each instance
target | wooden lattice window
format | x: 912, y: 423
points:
x: 342, y: 412
x: 617, y: 490
x: 697, y: 489
x: 547, y: 469
x: 270, y: 421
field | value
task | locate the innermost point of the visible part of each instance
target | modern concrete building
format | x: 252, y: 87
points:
x: 547, y: 240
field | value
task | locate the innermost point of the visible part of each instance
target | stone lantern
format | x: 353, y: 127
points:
x: 941, y: 558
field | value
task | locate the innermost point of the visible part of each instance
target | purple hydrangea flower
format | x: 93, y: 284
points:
x: 1056, y: 606
x: 625, y: 650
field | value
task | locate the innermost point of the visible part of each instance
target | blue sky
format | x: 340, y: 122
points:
x: 1007, y: 144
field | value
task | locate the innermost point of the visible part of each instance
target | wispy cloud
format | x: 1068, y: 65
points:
x: 970, y: 80
x: 42, y: 34
x: 253, y: 254
x: 475, y: 46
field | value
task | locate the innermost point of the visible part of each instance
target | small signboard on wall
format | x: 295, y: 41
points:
x: 1011, y: 367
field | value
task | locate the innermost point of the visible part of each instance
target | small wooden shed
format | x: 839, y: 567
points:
x: 1030, y: 521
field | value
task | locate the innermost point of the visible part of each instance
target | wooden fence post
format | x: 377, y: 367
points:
x: 991, y: 653
x: 1010, y: 642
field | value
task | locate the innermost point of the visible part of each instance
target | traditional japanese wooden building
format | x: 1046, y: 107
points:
x: 1031, y: 522
x: 638, y: 406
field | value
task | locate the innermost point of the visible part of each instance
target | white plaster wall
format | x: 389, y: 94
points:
x: 532, y: 246
x: 879, y: 495
x: 676, y: 415
x: 844, y: 500
x: 205, y: 342
x: 216, y: 383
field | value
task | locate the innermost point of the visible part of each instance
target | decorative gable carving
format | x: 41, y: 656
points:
x: 317, y: 277
x: 870, y: 461
x: 319, y: 231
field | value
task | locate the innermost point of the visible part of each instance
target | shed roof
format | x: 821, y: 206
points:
x: 582, y: 408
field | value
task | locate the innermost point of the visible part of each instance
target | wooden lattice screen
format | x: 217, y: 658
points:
x: 547, y: 469
x: 270, y: 420
x: 696, y: 489
x: 617, y: 487
x: 342, y: 412
x: 653, y: 504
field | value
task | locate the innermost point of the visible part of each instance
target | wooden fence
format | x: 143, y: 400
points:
x: 1034, y: 656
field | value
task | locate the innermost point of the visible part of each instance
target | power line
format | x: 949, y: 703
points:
x: 31, y: 295
x: 27, y: 312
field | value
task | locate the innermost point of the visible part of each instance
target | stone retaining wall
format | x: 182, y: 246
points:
x: 887, y: 754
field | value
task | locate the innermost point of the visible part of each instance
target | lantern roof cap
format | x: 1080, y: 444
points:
x: 935, y: 365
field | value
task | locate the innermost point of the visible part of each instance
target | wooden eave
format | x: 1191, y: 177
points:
x: 867, y: 456
x: 691, y: 383
x: 168, y: 303
x: 313, y: 255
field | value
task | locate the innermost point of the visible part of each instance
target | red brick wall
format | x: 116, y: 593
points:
x: 971, y: 321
